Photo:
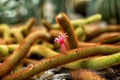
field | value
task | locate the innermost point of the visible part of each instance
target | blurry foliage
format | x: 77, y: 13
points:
x: 17, y: 11
x: 14, y: 11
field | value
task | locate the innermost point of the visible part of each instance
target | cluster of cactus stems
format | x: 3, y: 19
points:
x: 96, y: 50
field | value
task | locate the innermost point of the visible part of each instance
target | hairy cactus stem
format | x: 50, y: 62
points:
x: 26, y: 27
x: 4, y: 50
x: 104, y: 36
x: 18, y: 36
x: 61, y: 59
x: 80, y: 34
x: 94, y: 63
x: 87, y: 44
x: 93, y: 18
x: 5, y: 30
x: 47, y: 24
x: 21, y: 51
x: 29, y: 61
x: 67, y: 27
x: 111, y: 40
x: 99, y: 31
x: 54, y: 33
x: 76, y: 23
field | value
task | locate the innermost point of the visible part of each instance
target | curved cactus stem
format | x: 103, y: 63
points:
x: 67, y: 27
x: 47, y: 24
x: 18, y: 36
x: 96, y: 63
x: 26, y: 27
x: 99, y: 31
x: 21, y: 51
x: 4, y: 50
x: 76, y: 23
x: 5, y: 30
x: 61, y: 59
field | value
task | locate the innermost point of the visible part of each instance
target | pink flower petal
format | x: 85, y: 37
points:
x: 61, y: 40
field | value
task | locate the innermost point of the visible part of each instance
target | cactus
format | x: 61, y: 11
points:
x: 61, y: 59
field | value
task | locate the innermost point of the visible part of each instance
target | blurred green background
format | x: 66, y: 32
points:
x: 17, y: 11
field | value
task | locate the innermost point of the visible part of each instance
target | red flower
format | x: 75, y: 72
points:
x: 61, y: 40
